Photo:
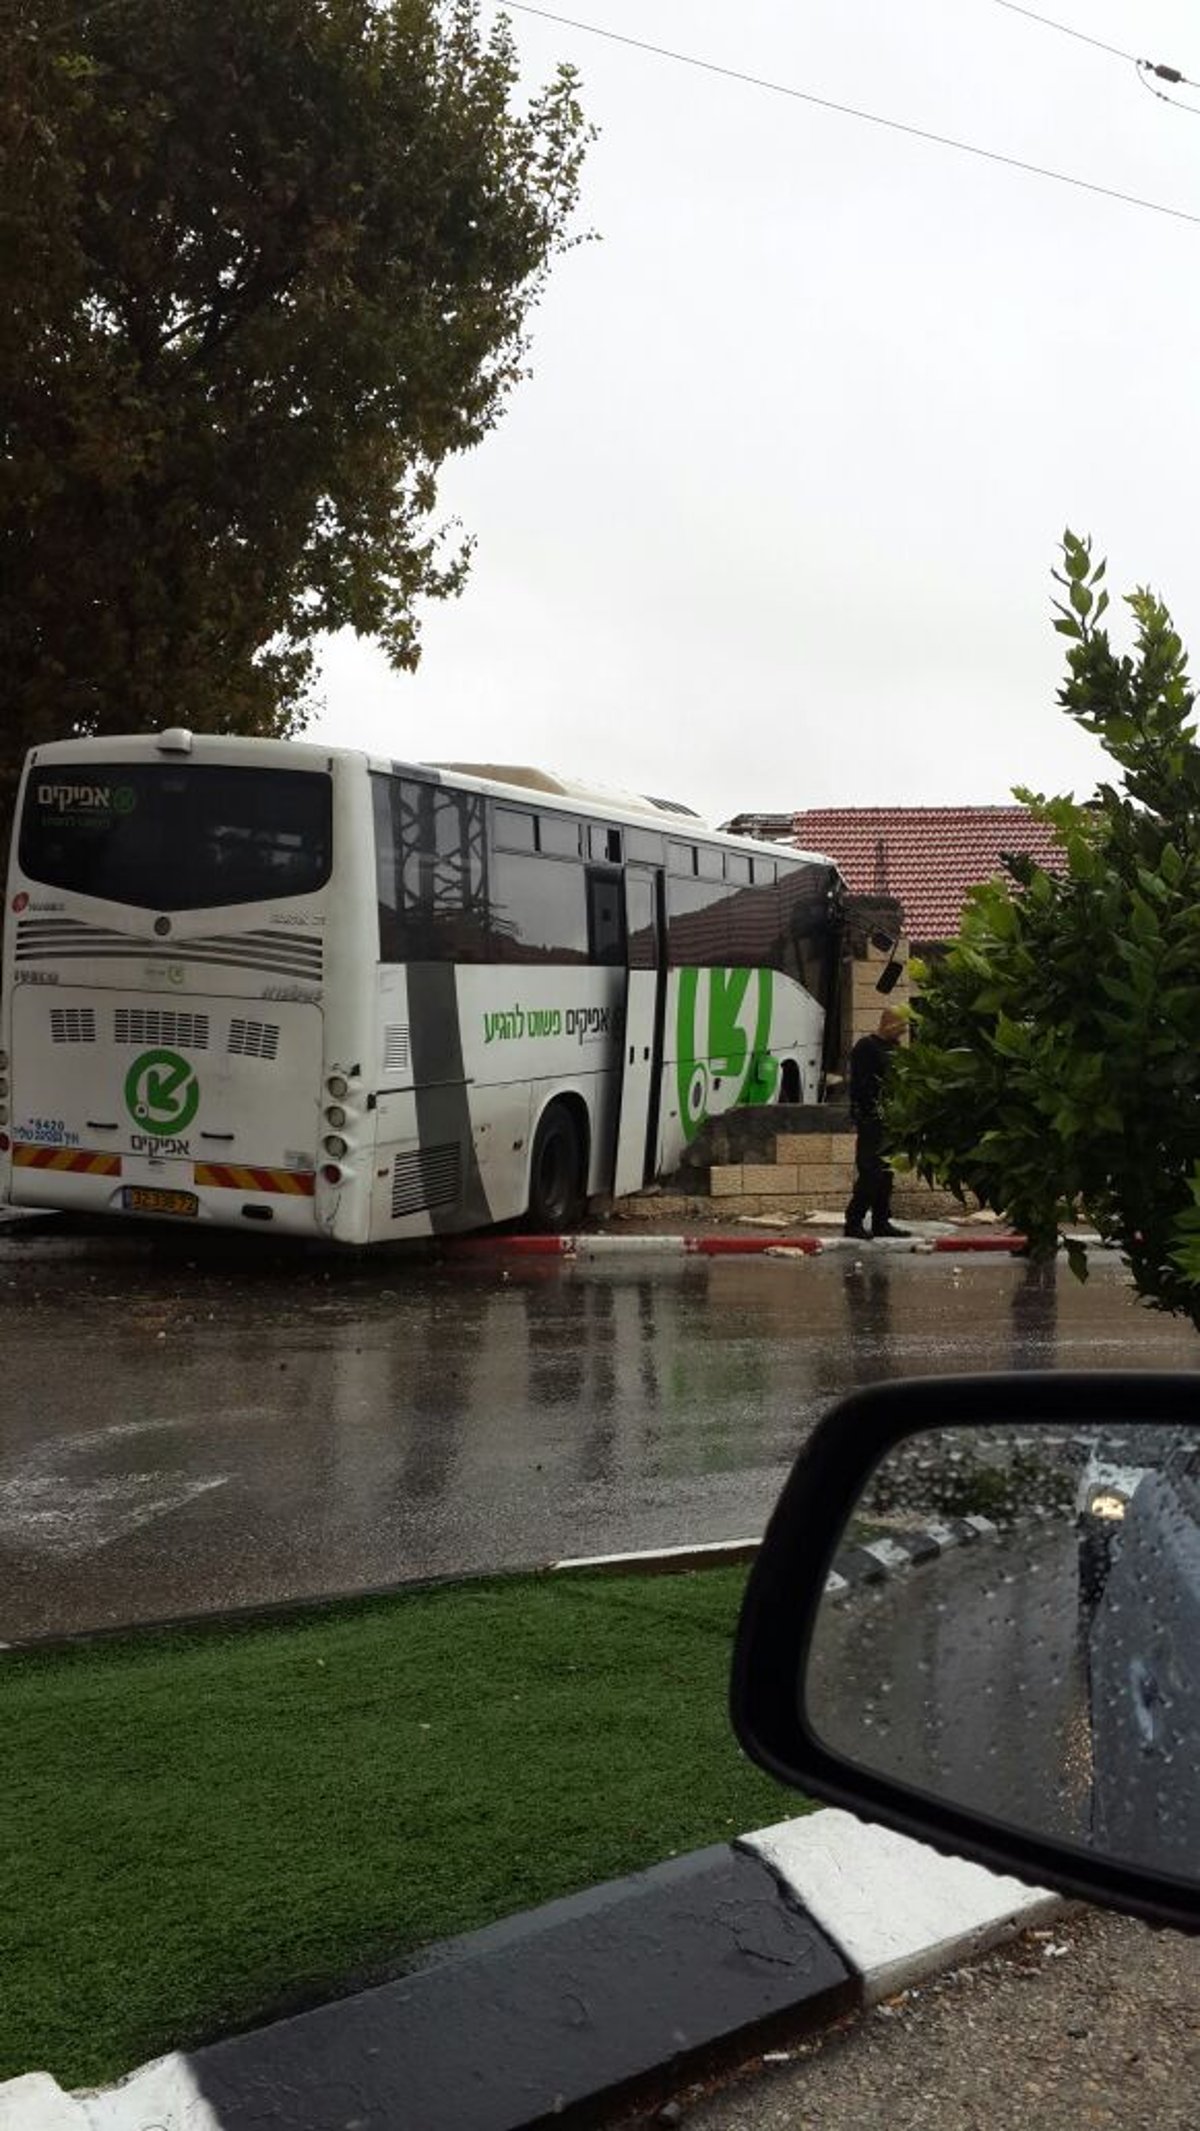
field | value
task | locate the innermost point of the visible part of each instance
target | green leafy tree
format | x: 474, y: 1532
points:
x: 1055, y: 1066
x: 266, y: 264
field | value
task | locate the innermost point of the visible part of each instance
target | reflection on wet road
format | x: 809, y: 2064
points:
x: 189, y: 1431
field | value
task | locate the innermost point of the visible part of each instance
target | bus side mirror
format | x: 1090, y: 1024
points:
x: 975, y: 1617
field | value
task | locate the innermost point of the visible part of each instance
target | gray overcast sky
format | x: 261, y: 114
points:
x: 771, y: 524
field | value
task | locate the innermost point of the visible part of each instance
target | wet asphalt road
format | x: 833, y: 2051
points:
x: 188, y: 1428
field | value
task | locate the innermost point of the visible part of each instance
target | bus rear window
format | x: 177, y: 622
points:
x: 164, y: 836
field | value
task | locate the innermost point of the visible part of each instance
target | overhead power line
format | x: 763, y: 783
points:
x: 1177, y: 103
x: 868, y: 118
x: 1066, y: 29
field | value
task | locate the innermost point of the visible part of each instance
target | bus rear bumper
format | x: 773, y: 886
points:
x: 181, y: 1201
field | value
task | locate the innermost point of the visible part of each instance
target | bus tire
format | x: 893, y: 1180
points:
x: 556, y: 1172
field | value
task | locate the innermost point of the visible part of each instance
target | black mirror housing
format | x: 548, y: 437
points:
x: 770, y: 1700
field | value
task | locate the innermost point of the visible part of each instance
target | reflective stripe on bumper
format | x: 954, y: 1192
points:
x: 26, y: 1155
x: 231, y: 1176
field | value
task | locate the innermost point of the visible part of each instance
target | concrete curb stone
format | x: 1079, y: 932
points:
x: 538, y: 2018
x: 897, y: 1910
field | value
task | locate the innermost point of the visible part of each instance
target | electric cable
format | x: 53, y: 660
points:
x: 869, y: 118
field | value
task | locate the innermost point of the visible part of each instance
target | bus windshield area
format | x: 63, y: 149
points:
x: 169, y: 836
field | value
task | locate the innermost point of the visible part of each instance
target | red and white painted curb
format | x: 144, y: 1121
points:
x: 587, y: 1246
x: 772, y: 1244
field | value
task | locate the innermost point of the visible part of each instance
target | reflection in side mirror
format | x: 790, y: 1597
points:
x: 976, y: 1617
x: 1046, y: 1672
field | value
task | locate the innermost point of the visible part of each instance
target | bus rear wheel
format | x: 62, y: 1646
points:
x: 556, y: 1172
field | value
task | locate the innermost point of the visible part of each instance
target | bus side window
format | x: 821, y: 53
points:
x: 515, y: 830
x: 558, y: 836
x: 604, y: 843
x: 641, y: 920
x: 538, y: 912
x: 387, y: 870
x: 429, y: 864
x: 698, y: 928
x: 803, y: 949
x: 606, y: 918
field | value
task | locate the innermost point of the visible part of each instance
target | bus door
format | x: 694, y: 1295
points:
x: 645, y: 1011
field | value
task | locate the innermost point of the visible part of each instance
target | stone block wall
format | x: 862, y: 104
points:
x: 815, y: 1174
x: 787, y: 1160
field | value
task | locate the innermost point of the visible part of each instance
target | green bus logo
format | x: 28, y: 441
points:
x: 162, y: 1093
x: 723, y: 1029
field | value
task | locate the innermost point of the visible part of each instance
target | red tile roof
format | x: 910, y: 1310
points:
x: 927, y: 857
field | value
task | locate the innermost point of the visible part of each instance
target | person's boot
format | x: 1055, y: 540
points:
x: 888, y: 1230
x: 856, y: 1229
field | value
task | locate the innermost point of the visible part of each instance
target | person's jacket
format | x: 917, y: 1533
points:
x: 869, y: 1062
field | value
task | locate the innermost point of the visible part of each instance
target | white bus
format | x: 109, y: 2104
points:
x: 265, y: 982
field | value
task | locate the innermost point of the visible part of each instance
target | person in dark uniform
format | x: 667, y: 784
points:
x: 869, y: 1063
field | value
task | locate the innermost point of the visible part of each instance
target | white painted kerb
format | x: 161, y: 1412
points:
x: 35, y: 2102
x: 896, y: 1910
x: 161, y: 2096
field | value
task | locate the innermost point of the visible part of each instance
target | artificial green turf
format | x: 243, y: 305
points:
x: 201, y: 1828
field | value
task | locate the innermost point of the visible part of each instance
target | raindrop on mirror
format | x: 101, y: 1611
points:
x: 1037, y: 1655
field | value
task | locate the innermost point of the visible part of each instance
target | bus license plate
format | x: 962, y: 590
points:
x: 138, y: 1199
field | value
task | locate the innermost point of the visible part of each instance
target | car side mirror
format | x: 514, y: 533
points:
x: 975, y: 1617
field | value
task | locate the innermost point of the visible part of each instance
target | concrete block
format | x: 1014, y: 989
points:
x: 813, y: 1183
x: 769, y: 1179
x: 806, y: 1149
x: 725, y: 1180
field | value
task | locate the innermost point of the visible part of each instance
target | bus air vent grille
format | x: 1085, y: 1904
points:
x: 253, y: 1039
x: 160, y: 1024
x: 269, y: 947
x: 72, y: 1024
x: 395, y: 1048
x: 428, y: 1176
